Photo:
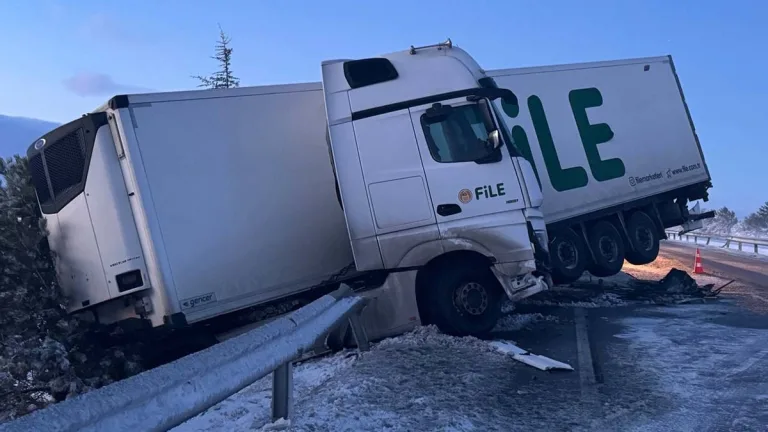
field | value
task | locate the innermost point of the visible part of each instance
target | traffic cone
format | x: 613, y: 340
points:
x: 697, y: 267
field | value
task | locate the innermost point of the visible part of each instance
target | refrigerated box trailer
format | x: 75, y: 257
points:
x: 174, y: 208
x: 615, y: 153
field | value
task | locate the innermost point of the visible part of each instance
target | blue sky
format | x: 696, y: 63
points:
x: 61, y: 59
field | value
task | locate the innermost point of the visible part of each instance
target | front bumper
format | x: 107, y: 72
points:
x: 518, y: 279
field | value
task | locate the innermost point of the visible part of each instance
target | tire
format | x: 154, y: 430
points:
x: 608, y: 249
x: 645, y: 238
x: 568, y: 256
x: 464, y: 298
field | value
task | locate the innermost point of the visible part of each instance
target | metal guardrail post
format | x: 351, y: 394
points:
x: 757, y: 250
x: 708, y: 240
x: 739, y: 246
x: 361, y: 338
x: 282, y: 392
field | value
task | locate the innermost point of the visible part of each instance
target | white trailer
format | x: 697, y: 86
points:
x: 616, y: 156
x: 174, y: 208
x: 199, y: 195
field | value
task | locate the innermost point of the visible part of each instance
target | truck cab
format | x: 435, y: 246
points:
x: 430, y: 181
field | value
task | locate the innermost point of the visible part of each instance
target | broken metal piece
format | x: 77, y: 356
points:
x: 526, y: 357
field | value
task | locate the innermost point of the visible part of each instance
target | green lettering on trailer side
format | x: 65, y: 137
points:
x: 562, y: 179
x: 594, y: 134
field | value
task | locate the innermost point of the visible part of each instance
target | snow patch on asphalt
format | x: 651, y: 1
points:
x: 515, y: 322
x: 599, y: 301
x: 507, y: 306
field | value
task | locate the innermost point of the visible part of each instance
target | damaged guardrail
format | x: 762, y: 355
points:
x: 706, y: 239
x: 165, y: 397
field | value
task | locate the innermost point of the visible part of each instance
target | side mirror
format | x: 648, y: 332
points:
x: 494, y: 138
x: 509, y: 99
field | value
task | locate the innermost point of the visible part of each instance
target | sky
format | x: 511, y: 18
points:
x: 64, y: 58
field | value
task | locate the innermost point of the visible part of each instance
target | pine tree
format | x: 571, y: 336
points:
x: 44, y: 352
x: 33, y: 322
x: 758, y: 221
x: 223, y: 78
x: 723, y: 222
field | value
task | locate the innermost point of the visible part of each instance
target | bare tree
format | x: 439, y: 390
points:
x: 223, y: 78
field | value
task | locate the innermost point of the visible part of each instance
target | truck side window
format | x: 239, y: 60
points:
x: 459, y: 136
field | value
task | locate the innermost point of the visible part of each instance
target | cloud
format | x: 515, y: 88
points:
x: 98, y: 84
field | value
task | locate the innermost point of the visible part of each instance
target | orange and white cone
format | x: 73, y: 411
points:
x: 697, y: 267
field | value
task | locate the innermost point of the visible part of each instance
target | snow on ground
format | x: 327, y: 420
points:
x: 251, y: 407
x: 422, y: 380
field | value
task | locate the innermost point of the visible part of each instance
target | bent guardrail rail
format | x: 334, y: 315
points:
x: 727, y: 240
x: 165, y: 397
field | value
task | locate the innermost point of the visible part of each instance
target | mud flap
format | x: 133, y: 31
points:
x: 523, y: 356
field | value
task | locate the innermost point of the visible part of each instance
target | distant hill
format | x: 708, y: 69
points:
x: 18, y: 133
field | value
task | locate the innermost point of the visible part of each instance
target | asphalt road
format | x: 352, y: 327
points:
x: 743, y: 267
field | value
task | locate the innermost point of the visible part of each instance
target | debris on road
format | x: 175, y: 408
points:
x: 676, y: 287
x: 529, y: 358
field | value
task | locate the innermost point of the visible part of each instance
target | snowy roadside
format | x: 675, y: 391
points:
x: 422, y: 370
x: 423, y: 380
x: 250, y: 408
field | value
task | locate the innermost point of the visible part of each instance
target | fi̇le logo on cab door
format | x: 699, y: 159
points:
x: 487, y: 191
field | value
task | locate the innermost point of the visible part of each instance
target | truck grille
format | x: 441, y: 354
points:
x: 62, y: 163
x: 39, y: 179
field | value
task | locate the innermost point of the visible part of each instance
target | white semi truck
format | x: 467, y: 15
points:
x: 616, y: 155
x: 174, y: 208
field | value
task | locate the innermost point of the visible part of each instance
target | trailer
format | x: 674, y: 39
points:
x: 616, y: 155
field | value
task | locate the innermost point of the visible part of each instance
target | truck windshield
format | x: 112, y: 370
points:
x: 459, y: 135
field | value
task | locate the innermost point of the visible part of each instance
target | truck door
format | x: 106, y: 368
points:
x: 396, y: 185
x: 473, y: 187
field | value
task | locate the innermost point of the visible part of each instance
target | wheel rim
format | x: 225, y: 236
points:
x: 568, y: 255
x: 608, y: 249
x: 644, y: 238
x: 471, y: 298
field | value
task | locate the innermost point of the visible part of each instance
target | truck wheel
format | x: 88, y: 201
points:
x: 568, y: 256
x: 608, y: 248
x: 644, y: 237
x: 466, y: 299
